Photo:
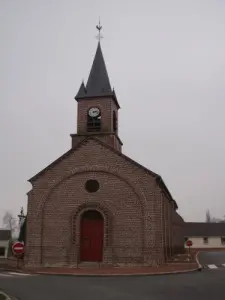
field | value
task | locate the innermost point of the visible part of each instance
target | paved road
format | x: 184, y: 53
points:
x: 212, y: 258
x: 204, y: 285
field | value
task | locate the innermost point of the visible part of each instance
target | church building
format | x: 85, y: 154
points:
x: 94, y: 204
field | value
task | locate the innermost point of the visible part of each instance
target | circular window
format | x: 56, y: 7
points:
x: 92, y: 186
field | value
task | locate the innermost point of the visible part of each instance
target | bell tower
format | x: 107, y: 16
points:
x: 97, y: 105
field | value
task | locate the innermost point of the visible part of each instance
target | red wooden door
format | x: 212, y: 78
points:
x: 92, y: 234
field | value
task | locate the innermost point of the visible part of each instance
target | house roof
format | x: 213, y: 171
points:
x: 98, y: 84
x: 157, y: 177
x: 204, y: 229
x: 5, y: 234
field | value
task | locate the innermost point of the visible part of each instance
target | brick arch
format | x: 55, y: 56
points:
x: 103, y: 210
x: 109, y: 170
x: 135, y: 188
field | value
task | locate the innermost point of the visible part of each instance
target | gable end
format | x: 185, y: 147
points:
x: 157, y: 177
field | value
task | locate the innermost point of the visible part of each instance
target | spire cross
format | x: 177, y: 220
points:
x: 99, y: 27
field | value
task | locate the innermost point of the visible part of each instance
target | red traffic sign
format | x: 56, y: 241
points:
x: 18, y: 248
x: 189, y: 243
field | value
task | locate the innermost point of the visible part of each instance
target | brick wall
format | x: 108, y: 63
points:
x: 168, y: 229
x: 130, y: 200
x: 76, y: 139
x: 110, y: 139
x: 106, y: 106
x: 178, y: 232
x: 123, y: 205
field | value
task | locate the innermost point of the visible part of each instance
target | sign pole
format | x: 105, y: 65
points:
x: 18, y: 252
x: 189, y: 243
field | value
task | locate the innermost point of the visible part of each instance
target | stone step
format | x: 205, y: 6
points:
x: 87, y: 264
x: 181, y: 260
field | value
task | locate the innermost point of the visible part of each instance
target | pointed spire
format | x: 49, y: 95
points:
x: 98, y: 82
x: 82, y: 91
x: 113, y: 92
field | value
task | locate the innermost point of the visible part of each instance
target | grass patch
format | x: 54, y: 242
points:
x: 2, y: 297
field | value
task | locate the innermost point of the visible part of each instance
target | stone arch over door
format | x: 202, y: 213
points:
x: 76, y: 233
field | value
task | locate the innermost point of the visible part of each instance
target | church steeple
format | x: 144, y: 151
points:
x: 97, y: 105
x: 98, y: 84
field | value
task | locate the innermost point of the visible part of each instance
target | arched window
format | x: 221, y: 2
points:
x: 114, y: 121
x: 94, y: 119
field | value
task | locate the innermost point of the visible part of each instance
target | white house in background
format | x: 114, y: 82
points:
x: 5, y: 236
x: 205, y: 235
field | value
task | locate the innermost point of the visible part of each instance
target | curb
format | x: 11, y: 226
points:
x: 105, y: 275
x: 119, y: 275
x: 7, y: 297
x: 11, y: 270
x: 200, y: 267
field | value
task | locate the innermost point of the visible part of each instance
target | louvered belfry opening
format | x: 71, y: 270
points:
x: 93, y: 123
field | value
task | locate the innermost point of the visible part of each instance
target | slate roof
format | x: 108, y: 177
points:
x: 98, y: 81
x: 98, y: 84
x: 82, y: 91
x: 192, y: 229
x: 157, y: 177
x: 5, y: 234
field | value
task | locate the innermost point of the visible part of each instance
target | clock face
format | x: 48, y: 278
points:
x: 94, y: 112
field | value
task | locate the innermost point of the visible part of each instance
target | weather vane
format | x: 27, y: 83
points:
x: 99, y: 27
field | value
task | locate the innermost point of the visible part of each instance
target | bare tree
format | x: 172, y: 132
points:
x: 10, y: 222
x: 208, y: 217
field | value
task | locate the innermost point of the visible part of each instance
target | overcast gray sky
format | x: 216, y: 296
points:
x: 166, y: 60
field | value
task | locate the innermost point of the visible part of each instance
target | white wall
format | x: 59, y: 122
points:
x: 213, y: 242
x: 5, y: 244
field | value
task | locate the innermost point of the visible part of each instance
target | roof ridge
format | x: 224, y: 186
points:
x: 83, y: 142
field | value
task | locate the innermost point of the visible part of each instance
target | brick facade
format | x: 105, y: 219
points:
x: 129, y: 199
x: 139, y: 214
x: 178, y: 226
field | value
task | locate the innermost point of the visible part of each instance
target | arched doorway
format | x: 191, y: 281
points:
x: 91, y: 236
